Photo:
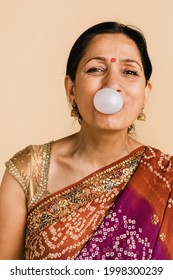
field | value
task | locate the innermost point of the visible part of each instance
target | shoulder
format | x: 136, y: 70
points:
x: 158, y: 163
x: 64, y: 147
x: 157, y: 156
x: 22, y: 164
x: 22, y: 158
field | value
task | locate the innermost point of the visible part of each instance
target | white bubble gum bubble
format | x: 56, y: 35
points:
x: 108, y: 101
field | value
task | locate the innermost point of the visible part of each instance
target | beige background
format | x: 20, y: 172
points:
x: 35, y: 39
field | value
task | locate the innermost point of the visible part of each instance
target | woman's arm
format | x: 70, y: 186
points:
x: 13, y: 214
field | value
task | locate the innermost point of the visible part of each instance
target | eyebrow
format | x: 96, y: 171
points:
x: 96, y: 58
x: 127, y: 60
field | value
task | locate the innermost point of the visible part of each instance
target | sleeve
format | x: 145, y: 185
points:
x: 19, y: 167
x: 30, y: 168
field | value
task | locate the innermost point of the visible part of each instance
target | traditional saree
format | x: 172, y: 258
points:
x: 123, y: 211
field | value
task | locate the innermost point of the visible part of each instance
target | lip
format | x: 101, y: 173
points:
x: 113, y: 114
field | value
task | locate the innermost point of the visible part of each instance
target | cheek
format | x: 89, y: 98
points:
x: 136, y: 91
x: 85, y: 90
x: 82, y: 97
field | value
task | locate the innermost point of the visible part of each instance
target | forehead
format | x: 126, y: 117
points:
x: 118, y: 44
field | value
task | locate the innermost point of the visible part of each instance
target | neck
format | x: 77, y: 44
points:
x: 103, y: 147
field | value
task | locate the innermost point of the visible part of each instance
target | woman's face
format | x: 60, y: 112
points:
x: 97, y: 70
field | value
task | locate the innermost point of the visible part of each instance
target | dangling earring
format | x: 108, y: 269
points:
x: 75, y: 112
x: 142, y: 116
x: 131, y: 129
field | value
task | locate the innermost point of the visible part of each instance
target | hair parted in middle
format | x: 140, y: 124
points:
x: 80, y: 46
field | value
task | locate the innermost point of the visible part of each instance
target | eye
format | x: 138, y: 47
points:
x: 94, y: 70
x: 131, y: 72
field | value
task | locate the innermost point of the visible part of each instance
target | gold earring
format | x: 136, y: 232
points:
x: 75, y: 112
x: 142, y: 116
x: 131, y: 129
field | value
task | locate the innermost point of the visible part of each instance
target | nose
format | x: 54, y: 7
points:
x: 112, y: 80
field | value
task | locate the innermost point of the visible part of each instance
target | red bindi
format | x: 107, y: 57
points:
x: 113, y: 59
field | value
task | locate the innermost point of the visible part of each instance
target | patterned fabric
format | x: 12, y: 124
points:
x: 139, y: 226
x: 122, y: 211
x: 30, y: 167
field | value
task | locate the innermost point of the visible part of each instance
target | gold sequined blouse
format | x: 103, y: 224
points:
x: 30, y: 168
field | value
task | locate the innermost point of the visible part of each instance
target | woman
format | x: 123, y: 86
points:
x: 97, y: 194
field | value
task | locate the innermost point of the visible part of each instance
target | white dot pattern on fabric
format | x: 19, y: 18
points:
x: 124, y: 245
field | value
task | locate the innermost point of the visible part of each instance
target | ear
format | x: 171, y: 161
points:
x: 148, y: 89
x: 69, y: 86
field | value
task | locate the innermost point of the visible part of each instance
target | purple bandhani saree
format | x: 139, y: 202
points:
x: 129, y: 232
x: 123, y: 211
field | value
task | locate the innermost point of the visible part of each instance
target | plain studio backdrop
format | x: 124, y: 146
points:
x: 35, y: 39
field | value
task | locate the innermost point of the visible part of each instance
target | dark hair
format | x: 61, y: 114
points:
x: 81, y: 44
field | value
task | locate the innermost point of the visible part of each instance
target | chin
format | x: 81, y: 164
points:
x: 109, y: 126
